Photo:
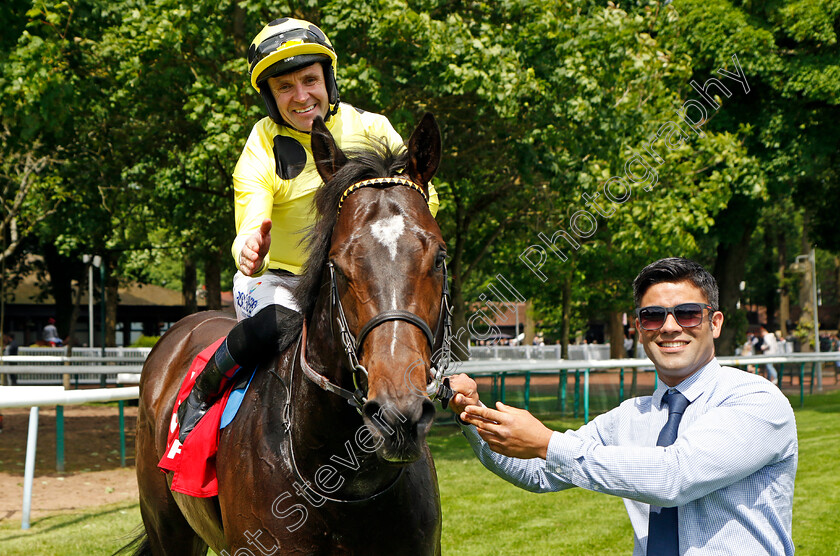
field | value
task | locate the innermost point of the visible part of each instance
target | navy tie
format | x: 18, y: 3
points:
x: 663, y: 534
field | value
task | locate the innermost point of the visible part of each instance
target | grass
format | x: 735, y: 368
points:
x: 816, y: 499
x: 99, y: 530
x: 484, y: 515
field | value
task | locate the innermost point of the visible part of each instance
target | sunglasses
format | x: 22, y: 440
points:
x: 687, y: 315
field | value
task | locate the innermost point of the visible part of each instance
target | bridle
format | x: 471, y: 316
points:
x: 439, y: 341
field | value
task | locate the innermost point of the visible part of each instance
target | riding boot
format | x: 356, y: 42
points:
x: 210, y: 383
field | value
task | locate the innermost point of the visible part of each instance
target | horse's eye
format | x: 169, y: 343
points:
x: 440, y: 259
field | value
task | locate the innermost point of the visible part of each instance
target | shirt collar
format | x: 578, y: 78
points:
x: 692, y: 387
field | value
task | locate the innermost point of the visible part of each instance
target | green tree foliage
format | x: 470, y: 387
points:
x: 790, y: 54
x: 131, y: 117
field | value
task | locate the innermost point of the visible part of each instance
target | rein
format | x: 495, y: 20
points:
x: 437, y: 387
x: 356, y: 399
x: 319, y: 379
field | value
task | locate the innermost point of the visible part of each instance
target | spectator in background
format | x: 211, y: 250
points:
x: 747, y: 347
x: 50, y: 333
x: 825, y: 343
x: 781, y: 343
x: 9, y: 347
x: 769, y: 346
x: 757, y: 343
x: 628, y: 343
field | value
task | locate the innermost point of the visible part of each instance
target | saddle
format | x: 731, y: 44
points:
x: 193, y: 464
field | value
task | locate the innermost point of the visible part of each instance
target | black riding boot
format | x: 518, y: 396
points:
x: 209, y: 384
x: 251, y: 341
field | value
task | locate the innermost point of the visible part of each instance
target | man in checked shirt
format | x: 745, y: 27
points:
x: 725, y: 478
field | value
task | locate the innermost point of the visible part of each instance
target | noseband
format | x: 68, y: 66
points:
x: 439, y: 342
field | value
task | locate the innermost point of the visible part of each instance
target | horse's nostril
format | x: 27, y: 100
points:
x: 374, y: 411
x: 411, y: 423
x: 427, y: 415
x: 428, y: 410
x: 371, y: 408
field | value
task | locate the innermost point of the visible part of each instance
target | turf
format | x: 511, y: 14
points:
x: 816, y: 498
x: 99, y: 530
x: 484, y: 515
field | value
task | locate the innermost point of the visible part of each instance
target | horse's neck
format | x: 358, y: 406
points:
x: 326, y: 419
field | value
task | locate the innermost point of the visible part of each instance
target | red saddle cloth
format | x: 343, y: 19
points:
x: 193, y: 463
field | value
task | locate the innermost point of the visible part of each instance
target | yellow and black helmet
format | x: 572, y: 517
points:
x: 286, y: 45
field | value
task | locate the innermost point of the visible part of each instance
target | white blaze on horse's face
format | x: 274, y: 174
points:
x: 388, y: 231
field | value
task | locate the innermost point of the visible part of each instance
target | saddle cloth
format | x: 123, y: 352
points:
x: 193, y: 463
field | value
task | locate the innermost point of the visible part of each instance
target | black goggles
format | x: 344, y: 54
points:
x: 687, y: 315
x: 273, y: 43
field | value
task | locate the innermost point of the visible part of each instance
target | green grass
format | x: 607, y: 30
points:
x: 99, y: 530
x: 483, y: 515
x: 816, y: 498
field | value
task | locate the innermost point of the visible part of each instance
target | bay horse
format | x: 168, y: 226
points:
x: 327, y: 454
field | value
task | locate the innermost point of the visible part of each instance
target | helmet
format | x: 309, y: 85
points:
x: 285, y: 45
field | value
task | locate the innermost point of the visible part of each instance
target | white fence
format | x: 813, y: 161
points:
x: 34, y: 366
x: 576, y: 352
x: 35, y: 396
x: 46, y: 365
x: 31, y: 396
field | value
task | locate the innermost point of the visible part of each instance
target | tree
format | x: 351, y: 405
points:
x: 25, y: 198
x: 789, y: 54
x: 134, y: 116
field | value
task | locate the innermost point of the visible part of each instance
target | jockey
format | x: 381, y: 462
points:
x: 292, y: 64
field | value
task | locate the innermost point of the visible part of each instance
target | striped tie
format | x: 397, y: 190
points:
x: 663, y: 533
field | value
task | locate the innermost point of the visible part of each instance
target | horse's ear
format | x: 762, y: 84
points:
x: 328, y: 157
x: 424, y: 151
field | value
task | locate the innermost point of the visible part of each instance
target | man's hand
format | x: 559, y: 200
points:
x: 255, y: 249
x: 466, y: 392
x: 509, y: 431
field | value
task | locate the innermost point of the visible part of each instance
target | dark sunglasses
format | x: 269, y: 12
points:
x: 687, y: 315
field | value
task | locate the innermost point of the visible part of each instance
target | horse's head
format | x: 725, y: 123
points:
x: 386, y: 270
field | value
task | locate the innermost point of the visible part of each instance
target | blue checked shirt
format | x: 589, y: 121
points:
x: 730, y: 471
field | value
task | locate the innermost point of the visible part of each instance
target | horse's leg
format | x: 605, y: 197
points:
x: 166, y: 527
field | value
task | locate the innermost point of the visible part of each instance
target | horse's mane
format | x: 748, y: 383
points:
x: 377, y: 162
